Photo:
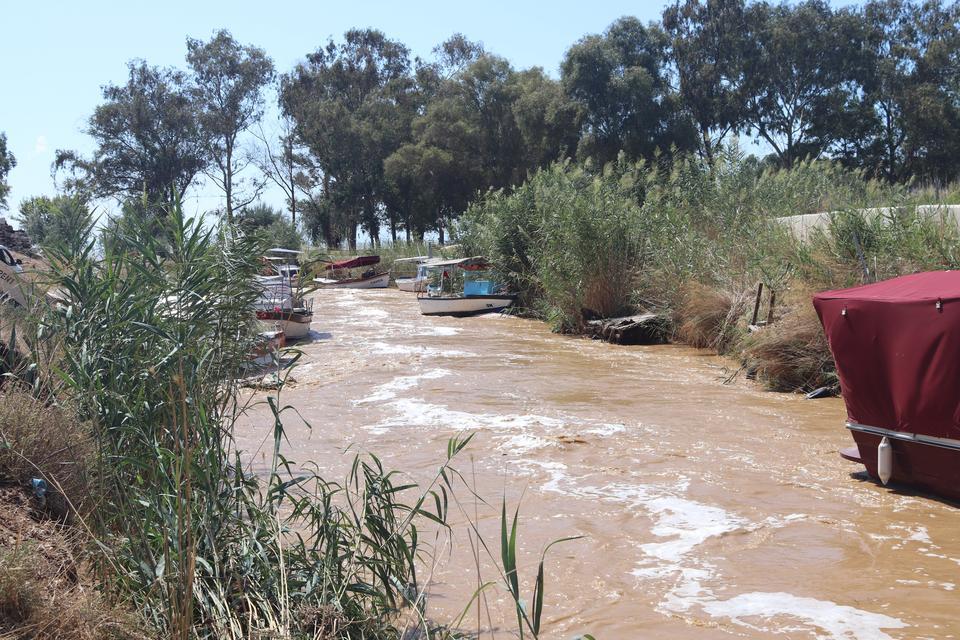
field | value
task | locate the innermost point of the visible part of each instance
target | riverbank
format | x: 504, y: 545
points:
x: 707, y: 508
x: 693, y: 244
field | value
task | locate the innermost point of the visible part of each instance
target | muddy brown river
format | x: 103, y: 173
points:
x: 707, y: 509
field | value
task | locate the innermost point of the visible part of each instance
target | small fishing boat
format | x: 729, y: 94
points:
x: 344, y: 276
x: 463, y: 287
x: 281, y: 304
x: 415, y: 281
x: 896, y: 345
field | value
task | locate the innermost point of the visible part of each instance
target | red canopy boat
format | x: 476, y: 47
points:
x: 897, y: 348
x: 353, y: 263
x: 369, y: 279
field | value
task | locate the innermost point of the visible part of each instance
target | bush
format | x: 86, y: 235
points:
x: 567, y: 240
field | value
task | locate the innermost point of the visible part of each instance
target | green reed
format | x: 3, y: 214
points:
x: 153, y: 339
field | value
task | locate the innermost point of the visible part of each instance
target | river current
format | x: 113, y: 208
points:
x: 708, y: 508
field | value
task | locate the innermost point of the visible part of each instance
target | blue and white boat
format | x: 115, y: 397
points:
x: 463, y: 287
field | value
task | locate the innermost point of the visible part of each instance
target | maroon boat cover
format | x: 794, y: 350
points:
x: 897, y: 348
x: 353, y: 263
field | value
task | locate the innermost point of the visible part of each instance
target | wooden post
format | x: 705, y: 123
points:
x: 756, y: 304
x: 773, y: 299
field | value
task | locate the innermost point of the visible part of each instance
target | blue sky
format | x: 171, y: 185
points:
x: 57, y: 55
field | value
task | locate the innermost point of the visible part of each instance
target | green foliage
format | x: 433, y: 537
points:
x: 271, y: 225
x: 227, y: 86
x: 149, y: 140
x: 620, y: 81
x: 57, y: 221
x: 567, y: 239
x: 352, y: 96
x: 153, y: 338
x: 7, y: 163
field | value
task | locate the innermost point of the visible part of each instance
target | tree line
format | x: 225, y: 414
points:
x: 373, y: 139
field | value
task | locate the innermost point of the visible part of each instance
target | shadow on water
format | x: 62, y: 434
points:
x: 907, y: 491
x: 313, y: 336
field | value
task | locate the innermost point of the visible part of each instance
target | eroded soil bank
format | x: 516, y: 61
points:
x: 708, y: 510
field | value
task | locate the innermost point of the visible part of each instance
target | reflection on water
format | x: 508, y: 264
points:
x: 707, y: 510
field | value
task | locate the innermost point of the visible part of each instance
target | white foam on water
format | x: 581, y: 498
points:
x: 370, y: 312
x: 385, y: 348
x: 525, y: 443
x: 413, y: 412
x: 686, y: 525
x: 402, y: 383
x: 607, y: 429
x: 828, y: 620
x: 438, y: 331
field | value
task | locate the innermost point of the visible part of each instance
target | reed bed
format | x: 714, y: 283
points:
x: 148, y: 337
x: 692, y: 242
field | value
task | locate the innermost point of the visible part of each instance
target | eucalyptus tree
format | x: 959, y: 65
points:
x: 875, y: 137
x: 802, y: 76
x: 619, y: 80
x: 7, y: 163
x: 228, y: 80
x: 547, y: 120
x: 352, y: 103
x: 149, y: 141
x: 931, y: 103
x: 708, y: 49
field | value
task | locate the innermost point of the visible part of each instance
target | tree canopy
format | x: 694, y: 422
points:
x: 371, y: 138
x: 7, y: 163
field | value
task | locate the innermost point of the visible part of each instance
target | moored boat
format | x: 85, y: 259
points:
x: 281, y: 305
x: 896, y: 345
x: 294, y: 322
x: 406, y: 281
x: 343, y: 275
x: 461, y: 287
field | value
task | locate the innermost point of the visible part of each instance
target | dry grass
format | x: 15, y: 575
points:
x: 48, y: 442
x: 791, y: 354
x: 43, y: 594
x: 709, y: 318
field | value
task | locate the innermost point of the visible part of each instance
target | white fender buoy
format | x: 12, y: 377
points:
x: 885, y: 460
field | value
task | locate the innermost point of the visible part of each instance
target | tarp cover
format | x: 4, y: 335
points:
x: 476, y: 263
x: 353, y: 263
x: 897, y: 353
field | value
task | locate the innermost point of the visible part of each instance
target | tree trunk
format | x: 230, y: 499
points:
x: 293, y: 197
x: 228, y: 181
x: 352, y: 240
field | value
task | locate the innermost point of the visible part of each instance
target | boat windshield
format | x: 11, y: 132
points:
x: 450, y: 280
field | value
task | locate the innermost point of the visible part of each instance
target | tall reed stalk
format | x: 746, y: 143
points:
x: 154, y: 336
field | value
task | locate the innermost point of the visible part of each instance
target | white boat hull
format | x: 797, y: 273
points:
x: 411, y: 284
x: 462, y: 305
x: 294, y: 324
x: 378, y: 281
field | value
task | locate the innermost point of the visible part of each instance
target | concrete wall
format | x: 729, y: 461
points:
x: 803, y: 227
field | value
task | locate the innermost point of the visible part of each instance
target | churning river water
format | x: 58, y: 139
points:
x: 706, y: 509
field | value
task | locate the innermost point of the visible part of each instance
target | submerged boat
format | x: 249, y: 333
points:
x: 896, y: 344
x: 463, y: 287
x: 416, y: 281
x: 344, y: 274
x: 281, y: 305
